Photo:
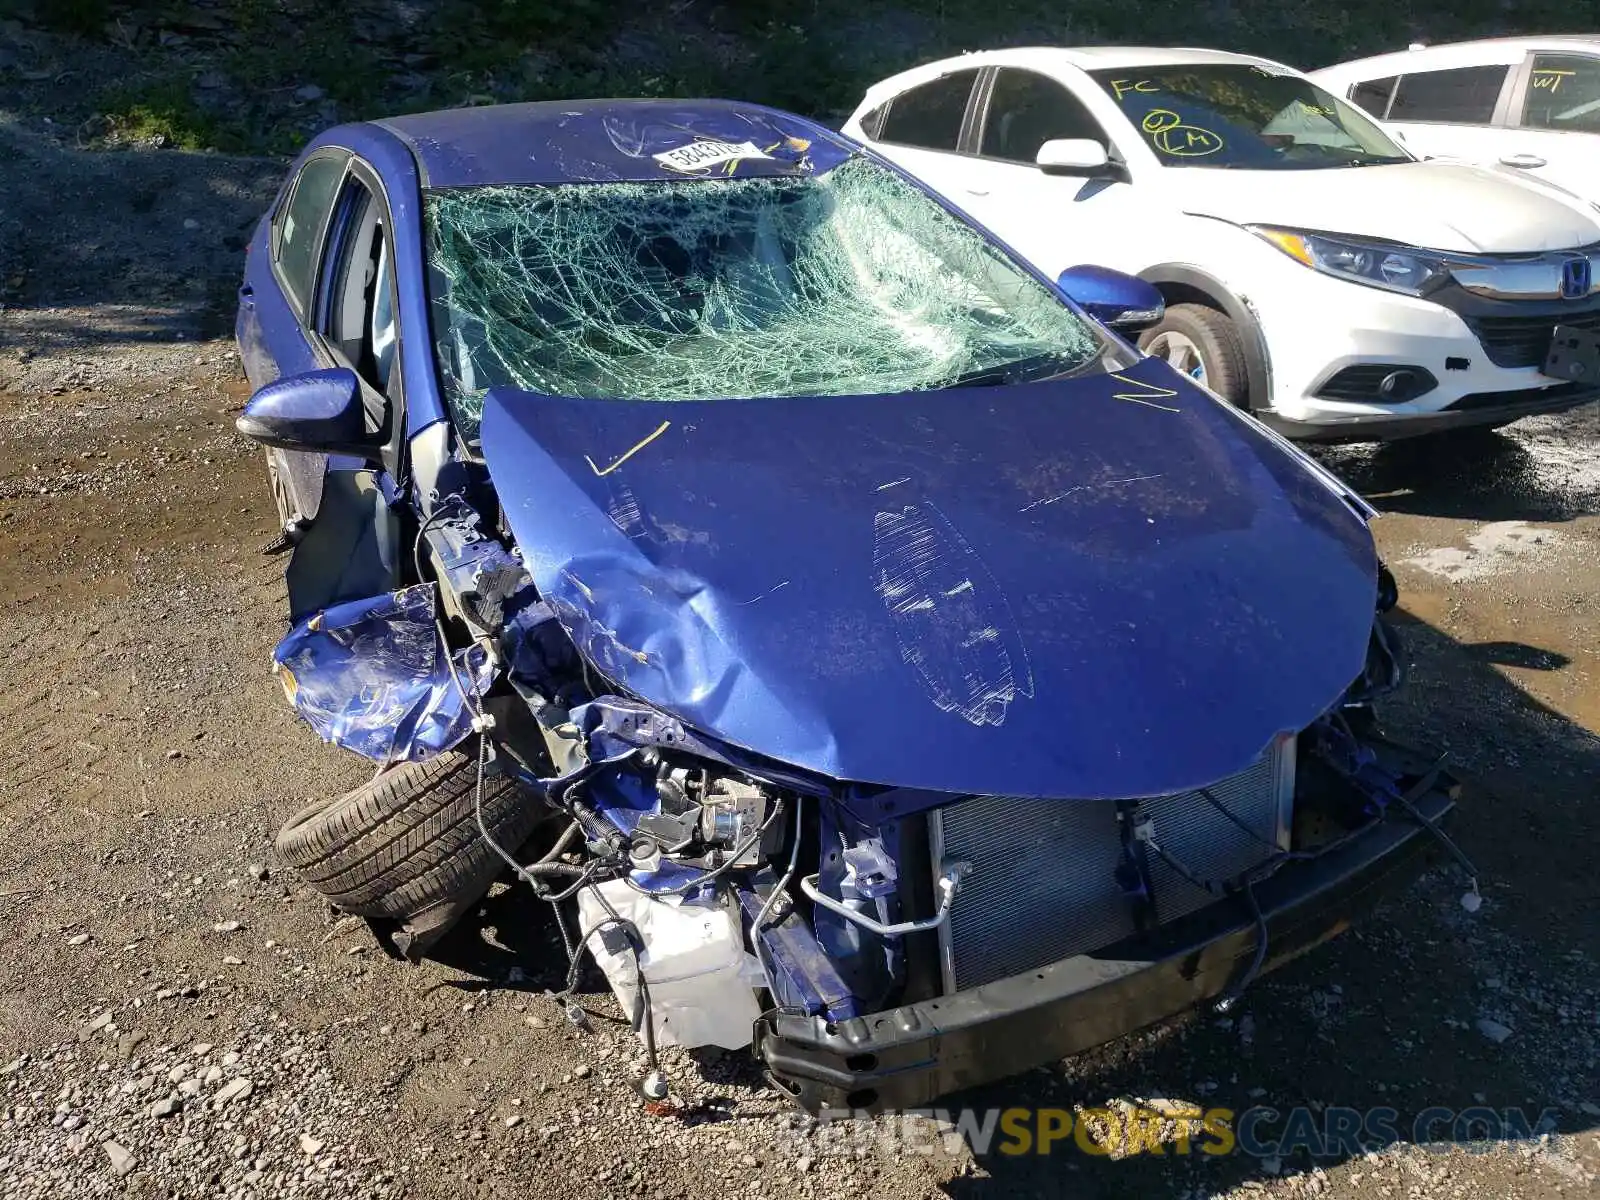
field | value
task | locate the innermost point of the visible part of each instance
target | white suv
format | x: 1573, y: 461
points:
x: 1531, y: 104
x: 1314, y: 271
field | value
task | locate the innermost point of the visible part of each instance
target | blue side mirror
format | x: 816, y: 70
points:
x: 1119, y: 301
x: 319, y: 412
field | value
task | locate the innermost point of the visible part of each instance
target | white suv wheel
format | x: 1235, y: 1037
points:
x: 1180, y: 353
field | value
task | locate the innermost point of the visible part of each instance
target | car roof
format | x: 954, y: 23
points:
x: 1044, y: 58
x: 1446, y: 53
x: 1112, y: 57
x: 594, y: 141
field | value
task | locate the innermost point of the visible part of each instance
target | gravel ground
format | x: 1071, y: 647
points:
x: 187, y: 1020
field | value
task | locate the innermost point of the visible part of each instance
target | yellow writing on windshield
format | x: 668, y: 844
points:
x: 1550, y: 80
x: 1171, y: 136
x: 1121, y: 87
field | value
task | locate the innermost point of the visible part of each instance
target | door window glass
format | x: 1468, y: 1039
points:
x: 1373, y: 96
x: 301, y: 221
x: 872, y: 123
x: 1462, y: 96
x: 360, y: 320
x: 1563, y: 93
x: 930, y: 116
x: 1026, y: 110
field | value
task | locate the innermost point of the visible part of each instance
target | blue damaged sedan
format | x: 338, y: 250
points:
x: 878, y: 662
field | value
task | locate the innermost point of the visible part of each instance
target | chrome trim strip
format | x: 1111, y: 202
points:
x: 1536, y: 277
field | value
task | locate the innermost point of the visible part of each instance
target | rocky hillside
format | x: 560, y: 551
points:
x: 258, y: 75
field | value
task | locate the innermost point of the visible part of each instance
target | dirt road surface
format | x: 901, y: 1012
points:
x: 180, y: 1017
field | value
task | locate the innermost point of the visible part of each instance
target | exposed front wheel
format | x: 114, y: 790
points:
x: 407, y: 845
x: 1203, y: 344
x: 279, y: 484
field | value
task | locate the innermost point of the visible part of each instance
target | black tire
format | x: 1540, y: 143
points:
x: 279, y: 486
x: 1218, y: 343
x: 408, y: 841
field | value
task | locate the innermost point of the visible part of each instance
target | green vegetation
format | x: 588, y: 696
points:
x: 288, y: 64
x: 161, y: 111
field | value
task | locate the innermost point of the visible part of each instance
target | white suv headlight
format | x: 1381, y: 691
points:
x: 1396, y: 268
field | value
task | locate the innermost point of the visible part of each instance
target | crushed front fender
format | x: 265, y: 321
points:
x: 371, y: 675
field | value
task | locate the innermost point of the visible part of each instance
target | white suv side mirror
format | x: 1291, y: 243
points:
x: 1076, y: 156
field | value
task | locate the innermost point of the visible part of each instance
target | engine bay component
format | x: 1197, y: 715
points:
x: 692, y: 957
x: 947, y: 885
x: 691, y: 815
x: 733, y: 815
x: 644, y: 854
x: 1047, y: 884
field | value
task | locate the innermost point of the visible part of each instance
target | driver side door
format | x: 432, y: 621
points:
x: 352, y: 548
x: 272, y: 328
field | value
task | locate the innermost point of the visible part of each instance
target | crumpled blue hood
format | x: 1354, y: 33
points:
x: 1092, y: 587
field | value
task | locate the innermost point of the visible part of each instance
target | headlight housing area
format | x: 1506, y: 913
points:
x: 1378, y: 264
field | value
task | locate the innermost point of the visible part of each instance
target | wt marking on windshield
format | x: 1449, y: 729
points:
x: 1548, y: 80
x: 660, y: 429
x: 952, y: 622
x: 1147, y: 394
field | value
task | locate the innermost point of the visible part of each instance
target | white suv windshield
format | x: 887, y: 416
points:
x: 1246, y: 117
x: 853, y: 282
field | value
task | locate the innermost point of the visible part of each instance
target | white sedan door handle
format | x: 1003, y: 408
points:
x: 977, y: 191
x: 1522, y: 160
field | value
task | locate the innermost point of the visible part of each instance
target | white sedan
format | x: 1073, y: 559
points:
x: 1528, y: 104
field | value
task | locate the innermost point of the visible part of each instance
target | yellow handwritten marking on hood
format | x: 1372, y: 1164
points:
x: 1147, y: 393
x: 638, y: 446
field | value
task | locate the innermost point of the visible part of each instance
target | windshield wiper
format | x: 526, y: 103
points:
x: 1021, y: 371
x: 1375, y: 160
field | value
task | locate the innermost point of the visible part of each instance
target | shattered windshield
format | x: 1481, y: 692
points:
x: 1244, y: 116
x: 852, y: 282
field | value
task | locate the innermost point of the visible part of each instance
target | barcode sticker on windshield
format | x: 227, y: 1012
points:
x: 703, y: 155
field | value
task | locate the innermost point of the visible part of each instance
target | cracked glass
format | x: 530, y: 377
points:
x: 852, y: 282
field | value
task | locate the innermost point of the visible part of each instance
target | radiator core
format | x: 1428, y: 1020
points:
x: 1043, y: 885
